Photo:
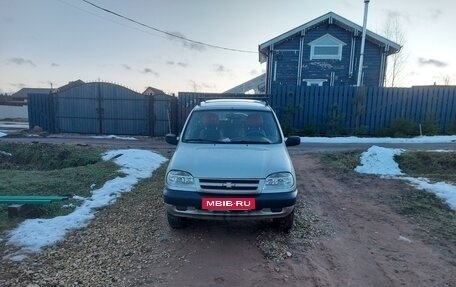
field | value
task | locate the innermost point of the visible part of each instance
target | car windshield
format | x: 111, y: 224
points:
x: 232, y: 127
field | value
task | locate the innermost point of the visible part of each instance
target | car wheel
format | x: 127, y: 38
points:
x: 176, y: 222
x: 285, y: 223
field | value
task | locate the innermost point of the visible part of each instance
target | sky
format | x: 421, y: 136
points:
x: 34, y: 234
x: 53, y: 42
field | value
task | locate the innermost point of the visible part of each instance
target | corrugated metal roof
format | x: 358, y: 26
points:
x: 22, y: 93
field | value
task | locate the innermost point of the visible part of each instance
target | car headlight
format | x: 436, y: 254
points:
x: 280, y: 180
x: 179, y: 178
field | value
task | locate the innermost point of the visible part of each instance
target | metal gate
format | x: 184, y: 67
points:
x: 163, y: 109
x: 102, y: 108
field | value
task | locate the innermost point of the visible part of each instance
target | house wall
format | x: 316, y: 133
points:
x: 285, y: 60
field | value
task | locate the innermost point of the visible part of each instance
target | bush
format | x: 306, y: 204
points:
x: 400, y: 127
x: 451, y: 129
x: 361, y: 130
x: 287, y: 119
x: 430, y: 128
x: 309, y: 130
x: 335, y: 122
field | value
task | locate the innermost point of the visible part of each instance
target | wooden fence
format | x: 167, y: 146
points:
x: 350, y: 110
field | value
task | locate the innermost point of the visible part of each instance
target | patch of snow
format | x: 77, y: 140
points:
x: 443, y: 190
x: 2, y: 134
x: 114, y: 137
x: 77, y: 197
x: 420, y: 139
x: 379, y: 160
x: 34, y: 234
x: 19, y: 257
x: 5, y: 153
x: 14, y: 125
x: 402, y: 238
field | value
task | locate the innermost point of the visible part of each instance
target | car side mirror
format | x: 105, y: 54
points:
x: 293, y: 140
x: 171, y: 139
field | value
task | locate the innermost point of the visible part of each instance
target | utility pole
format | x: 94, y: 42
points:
x: 363, y: 40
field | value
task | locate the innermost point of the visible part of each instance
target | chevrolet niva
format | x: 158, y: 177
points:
x: 231, y: 162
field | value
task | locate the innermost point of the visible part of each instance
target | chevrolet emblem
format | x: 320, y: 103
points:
x: 229, y: 185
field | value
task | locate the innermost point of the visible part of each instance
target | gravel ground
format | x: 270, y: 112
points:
x: 130, y: 244
x: 344, y: 236
x: 120, y: 240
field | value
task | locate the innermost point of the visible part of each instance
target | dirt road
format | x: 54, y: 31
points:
x: 345, y: 235
x: 160, y: 145
x: 370, y: 244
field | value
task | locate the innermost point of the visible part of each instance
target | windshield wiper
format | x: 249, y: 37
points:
x: 198, y: 140
x: 250, y: 142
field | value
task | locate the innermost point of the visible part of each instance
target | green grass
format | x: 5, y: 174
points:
x: 66, y: 181
x: 439, y: 166
x: 430, y: 215
x: 342, y: 160
x: 46, y: 157
x: 40, y: 169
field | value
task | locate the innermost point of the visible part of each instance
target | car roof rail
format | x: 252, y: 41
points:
x: 263, y: 98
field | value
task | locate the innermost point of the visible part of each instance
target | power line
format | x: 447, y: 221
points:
x: 168, y: 33
x: 110, y: 20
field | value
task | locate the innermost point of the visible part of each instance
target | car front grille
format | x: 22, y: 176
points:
x: 228, y: 186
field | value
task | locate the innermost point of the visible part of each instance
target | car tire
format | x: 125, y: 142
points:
x: 176, y: 222
x: 285, y: 224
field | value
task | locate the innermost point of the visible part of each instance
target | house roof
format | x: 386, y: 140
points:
x: 70, y: 85
x: 150, y: 91
x: 257, y: 84
x: 332, y: 18
x: 23, y: 93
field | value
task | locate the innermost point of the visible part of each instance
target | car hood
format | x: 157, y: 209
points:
x: 231, y: 161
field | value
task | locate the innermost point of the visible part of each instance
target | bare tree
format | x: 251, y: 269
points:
x: 396, y: 62
x: 447, y: 80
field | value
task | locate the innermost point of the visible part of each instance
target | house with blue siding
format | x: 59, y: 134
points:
x: 325, y: 52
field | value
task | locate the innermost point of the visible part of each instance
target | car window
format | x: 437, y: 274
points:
x: 232, y: 127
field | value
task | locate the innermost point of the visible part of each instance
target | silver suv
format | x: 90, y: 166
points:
x: 231, y: 162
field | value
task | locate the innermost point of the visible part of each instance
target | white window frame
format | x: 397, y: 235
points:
x: 311, y: 82
x: 316, y: 43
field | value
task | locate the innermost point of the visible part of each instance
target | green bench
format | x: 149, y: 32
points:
x: 30, y: 199
x: 22, y: 204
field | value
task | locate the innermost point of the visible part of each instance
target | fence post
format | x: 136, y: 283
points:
x: 151, y: 115
x: 358, y: 108
x: 99, y: 109
x: 52, y: 119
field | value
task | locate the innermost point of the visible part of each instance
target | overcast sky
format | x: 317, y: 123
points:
x: 57, y: 41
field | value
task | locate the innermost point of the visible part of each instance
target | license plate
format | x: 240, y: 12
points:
x: 228, y: 203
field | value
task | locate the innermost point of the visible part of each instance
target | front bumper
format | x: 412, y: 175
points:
x: 268, y: 205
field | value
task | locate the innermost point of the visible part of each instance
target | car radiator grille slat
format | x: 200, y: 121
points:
x: 227, y: 185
